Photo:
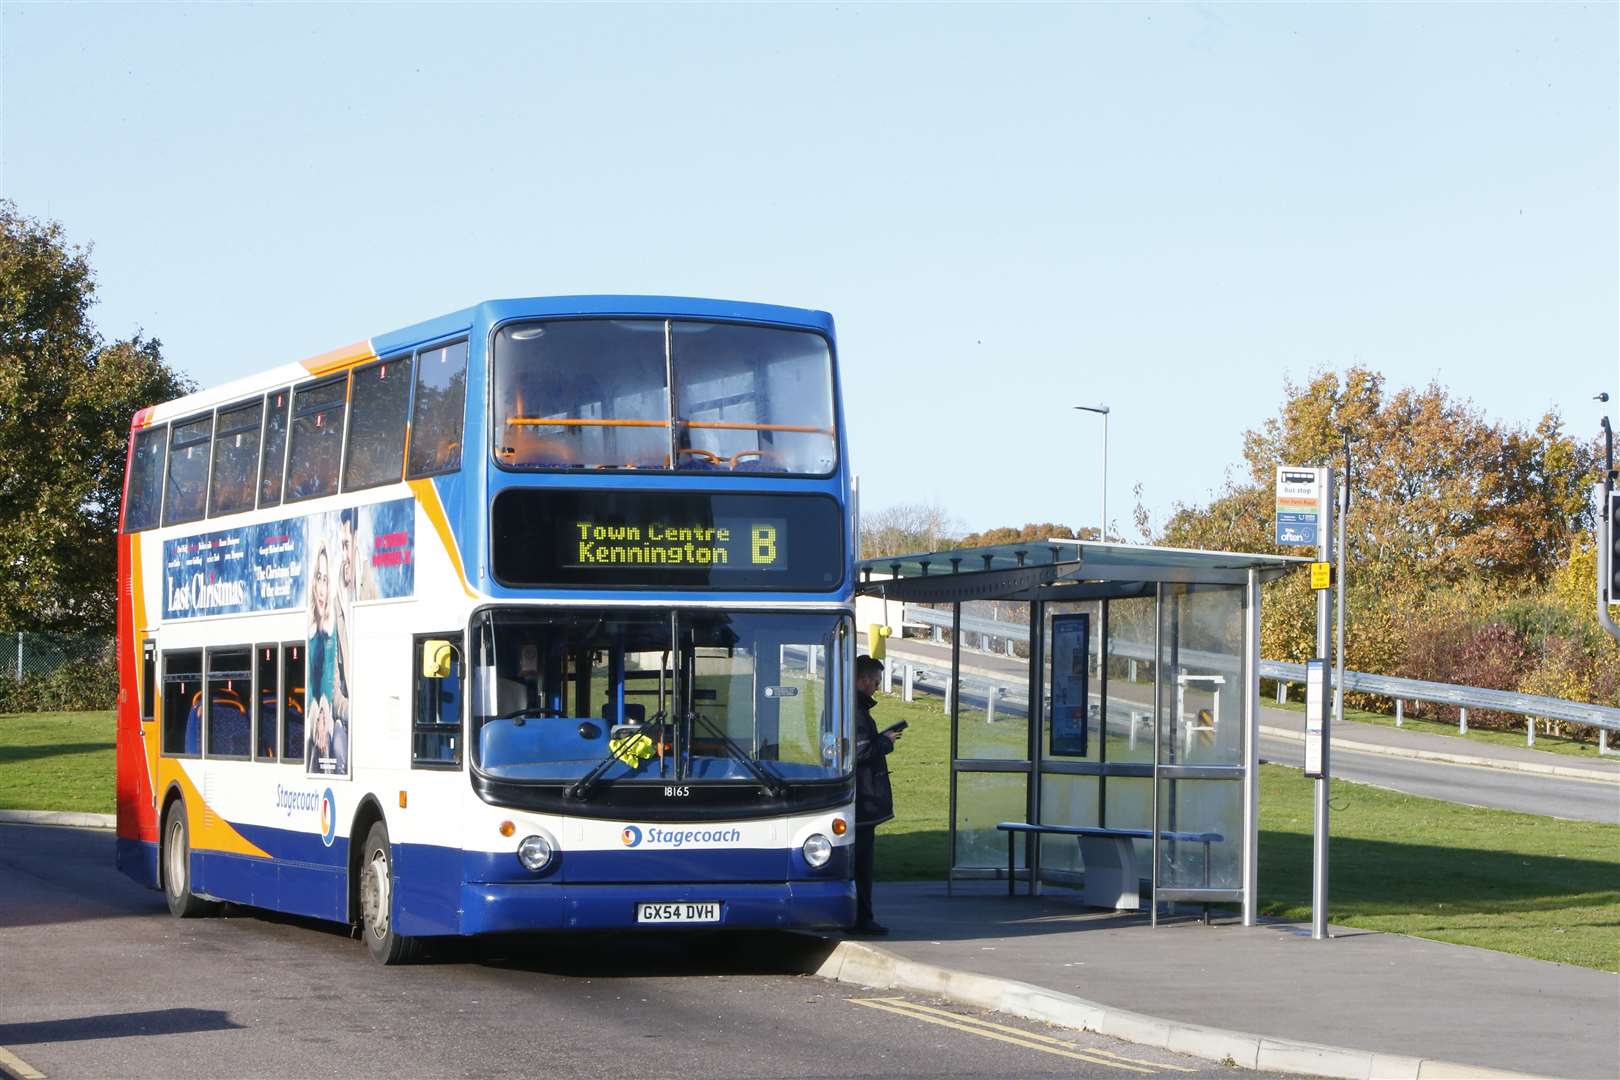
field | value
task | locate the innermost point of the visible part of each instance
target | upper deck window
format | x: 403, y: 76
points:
x: 441, y: 395
x: 381, y: 401
x: 317, y: 439
x: 186, y: 496
x: 595, y: 393
x: 236, y: 459
x: 275, y: 448
x: 144, y: 495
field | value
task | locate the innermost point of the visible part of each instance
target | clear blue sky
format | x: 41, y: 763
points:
x: 1009, y: 210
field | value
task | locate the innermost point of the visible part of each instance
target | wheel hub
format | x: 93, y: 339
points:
x: 374, y: 899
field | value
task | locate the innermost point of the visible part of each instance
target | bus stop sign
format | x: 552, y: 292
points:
x: 1299, y: 494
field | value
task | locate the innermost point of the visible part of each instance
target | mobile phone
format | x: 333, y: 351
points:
x: 900, y: 726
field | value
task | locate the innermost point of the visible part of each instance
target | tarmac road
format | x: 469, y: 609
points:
x: 97, y: 979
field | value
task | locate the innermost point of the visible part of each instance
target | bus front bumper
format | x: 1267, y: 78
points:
x: 490, y: 908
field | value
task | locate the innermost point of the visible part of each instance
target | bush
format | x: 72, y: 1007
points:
x: 71, y: 687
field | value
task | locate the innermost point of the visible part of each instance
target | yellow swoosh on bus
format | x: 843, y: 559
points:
x: 428, y: 496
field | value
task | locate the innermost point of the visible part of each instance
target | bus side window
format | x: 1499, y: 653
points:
x: 436, y: 416
x: 185, y: 497
x: 378, y: 407
x: 436, y: 731
x: 230, y: 688
x: 148, y: 679
x: 236, y: 459
x: 266, y: 701
x: 292, y: 698
x: 144, y: 497
x: 182, y: 702
x: 274, y: 459
x: 315, y: 451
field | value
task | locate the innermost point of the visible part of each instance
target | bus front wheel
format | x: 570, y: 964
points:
x: 183, y: 903
x: 376, y: 902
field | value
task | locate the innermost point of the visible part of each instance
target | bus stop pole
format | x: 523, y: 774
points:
x: 1324, y: 627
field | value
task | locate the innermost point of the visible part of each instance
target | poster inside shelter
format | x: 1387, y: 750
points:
x: 1071, y: 639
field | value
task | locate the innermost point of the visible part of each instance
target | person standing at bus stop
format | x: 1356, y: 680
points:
x: 874, y: 799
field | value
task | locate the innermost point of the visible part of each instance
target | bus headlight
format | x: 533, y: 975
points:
x: 817, y: 850
x: 535, y: 853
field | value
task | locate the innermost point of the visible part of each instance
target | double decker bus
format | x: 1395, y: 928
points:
x: 535, y: 616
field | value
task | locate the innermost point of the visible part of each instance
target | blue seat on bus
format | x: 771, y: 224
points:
x: 228, y: 729
x: 293, y: 720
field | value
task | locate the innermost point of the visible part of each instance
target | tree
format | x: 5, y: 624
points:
x: 906, y: 529
x: 1453, y: 517
x: 66, y: 399
x: 1007, y: 534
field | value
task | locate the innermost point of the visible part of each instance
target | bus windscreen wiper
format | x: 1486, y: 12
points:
x: 771, y: 782
x: 585, y: 785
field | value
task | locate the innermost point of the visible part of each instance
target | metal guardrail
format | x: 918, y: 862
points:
x: 1532, y: 706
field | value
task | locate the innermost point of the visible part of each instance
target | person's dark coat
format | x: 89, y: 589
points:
x: 874, y: 799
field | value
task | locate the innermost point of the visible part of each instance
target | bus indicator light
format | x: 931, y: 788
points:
x: 507, y: 828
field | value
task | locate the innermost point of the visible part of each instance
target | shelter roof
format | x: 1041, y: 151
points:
x: 1081, y: 568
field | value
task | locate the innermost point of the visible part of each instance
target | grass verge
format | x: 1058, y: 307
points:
x: 57, y: 761
x: 1551, y: 744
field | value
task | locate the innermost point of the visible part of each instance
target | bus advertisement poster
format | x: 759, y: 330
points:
x: 265, y: 567
x: 354, y: 554
x: 1071, y: 638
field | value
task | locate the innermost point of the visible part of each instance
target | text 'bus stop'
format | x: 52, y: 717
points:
x: 1133, y: 725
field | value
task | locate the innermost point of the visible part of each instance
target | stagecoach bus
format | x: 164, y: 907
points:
x: 536, y: 616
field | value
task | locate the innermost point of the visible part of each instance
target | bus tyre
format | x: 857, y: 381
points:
x: 377, y: 902
x: 176, y: 855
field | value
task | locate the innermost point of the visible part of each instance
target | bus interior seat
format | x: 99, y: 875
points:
x: 228, y: 723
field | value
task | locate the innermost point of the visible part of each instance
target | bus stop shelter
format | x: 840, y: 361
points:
x: 1133, y: 712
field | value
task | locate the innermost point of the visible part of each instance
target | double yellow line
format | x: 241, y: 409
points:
x: 1016, y: 1036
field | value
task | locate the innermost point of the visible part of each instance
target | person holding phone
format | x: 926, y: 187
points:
x: 874, y: 798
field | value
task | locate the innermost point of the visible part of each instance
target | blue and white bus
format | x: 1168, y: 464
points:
x: 535, y: 616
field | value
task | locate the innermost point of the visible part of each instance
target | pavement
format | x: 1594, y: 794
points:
x: 1362, y: 1004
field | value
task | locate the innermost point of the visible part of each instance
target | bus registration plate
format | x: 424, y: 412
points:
x: 685, y: 912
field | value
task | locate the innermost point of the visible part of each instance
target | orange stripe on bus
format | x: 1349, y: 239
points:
x: 337, y: 359
x: 206, y: 835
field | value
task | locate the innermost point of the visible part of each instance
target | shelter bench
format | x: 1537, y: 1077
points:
x: 1111, y: 877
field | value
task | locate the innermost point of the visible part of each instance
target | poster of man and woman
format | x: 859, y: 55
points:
x: 325, y: 563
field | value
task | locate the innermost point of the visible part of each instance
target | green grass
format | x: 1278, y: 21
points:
x: 57, y: 761
x: 1552, y: 744
x: 1512, y: 882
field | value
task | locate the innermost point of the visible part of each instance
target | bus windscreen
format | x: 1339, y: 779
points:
x: 679, y: 540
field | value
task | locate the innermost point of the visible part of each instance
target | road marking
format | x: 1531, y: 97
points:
x: 13, y: 1065
x: 1021, y: 1033
x: 901, y: 1007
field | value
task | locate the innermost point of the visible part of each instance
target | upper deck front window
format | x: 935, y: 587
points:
x: 595, y: 394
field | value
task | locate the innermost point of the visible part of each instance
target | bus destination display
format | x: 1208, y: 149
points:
x: 726, y: 544
x: 545, y: 538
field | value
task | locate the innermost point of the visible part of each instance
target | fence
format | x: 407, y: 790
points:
x: 45, y: 671
x: 1531, y: 706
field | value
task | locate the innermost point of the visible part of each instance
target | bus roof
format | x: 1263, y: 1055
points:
x: 488, y: 312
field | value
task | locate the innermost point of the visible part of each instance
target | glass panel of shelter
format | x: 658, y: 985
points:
x: 1108, y: 781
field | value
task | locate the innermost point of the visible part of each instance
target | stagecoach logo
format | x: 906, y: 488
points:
x: 328, y: 818
x: 633, y: 836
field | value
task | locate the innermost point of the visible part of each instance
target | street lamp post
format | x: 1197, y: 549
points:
x: 1102, y: 533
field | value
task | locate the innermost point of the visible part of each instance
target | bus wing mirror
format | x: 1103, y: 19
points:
x: 437, y: 656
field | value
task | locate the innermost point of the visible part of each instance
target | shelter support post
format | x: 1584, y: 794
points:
x: 1158, y: 708
x: 1251, y: 750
